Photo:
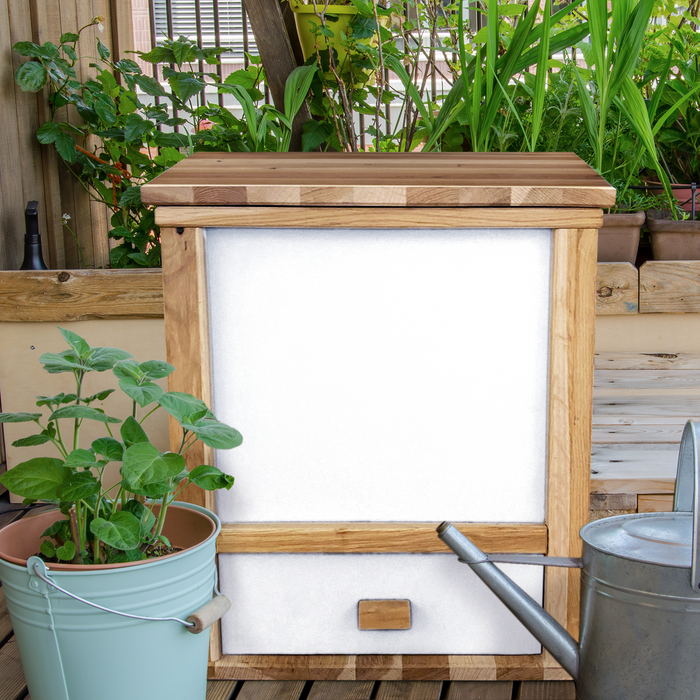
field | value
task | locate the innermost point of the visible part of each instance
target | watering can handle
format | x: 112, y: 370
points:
x: 198, y: 621
x: 687, y: 498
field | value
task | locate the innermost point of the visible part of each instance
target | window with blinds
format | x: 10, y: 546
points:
x: 176, y: 17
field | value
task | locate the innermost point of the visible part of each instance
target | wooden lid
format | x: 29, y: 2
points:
x: 381, y: 179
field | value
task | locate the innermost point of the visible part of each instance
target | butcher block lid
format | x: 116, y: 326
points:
x: 381, y: 180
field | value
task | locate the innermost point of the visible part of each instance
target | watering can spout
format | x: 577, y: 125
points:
x: 537, y: 621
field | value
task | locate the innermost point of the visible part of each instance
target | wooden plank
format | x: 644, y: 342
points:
x: 378, y: 179
x: 5, y: 622
x: 572, y: 332
x: 617, y: 289
x: 326, y: 667
x: 622, y: 379
x: 341, y: 690
x: 669, y: 287
x: 384, y: 614
x: 378, y: 217
x: 634, y: 461
x: 221, y: 690
x: 12, y: 682
x: 480, y: 690
x: 638, y: 434
x: 375, y: 537
x: 78, y: 295
x: 613, y: 501
x: 655, y: 503
x: 648, y: 410
x: 549, y: 690
x: 122, y: 28
x: 647, y: 361
x: 632, y: 485
x: 277, y: 54
x: 271, y: 690
x: 406, y: 690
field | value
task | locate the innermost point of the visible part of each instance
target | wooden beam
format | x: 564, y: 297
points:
x: 375, y: 537
x: 277, y: 56
x: 78, y: 295
x: 617, y: 289
x: 669, y: 287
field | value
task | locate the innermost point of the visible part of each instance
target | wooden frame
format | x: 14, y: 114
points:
x: 574, y: 239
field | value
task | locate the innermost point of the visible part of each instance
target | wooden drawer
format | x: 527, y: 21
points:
x: 308, y: 604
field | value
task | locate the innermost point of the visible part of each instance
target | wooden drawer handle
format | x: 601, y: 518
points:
x: 384, y: 614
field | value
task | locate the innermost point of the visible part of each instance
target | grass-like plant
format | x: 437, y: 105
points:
x: 119, y: 523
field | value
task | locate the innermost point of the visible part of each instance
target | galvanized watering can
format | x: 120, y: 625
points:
x: 640, y: 596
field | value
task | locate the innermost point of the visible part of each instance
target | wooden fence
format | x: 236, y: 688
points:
x: 31, y: 171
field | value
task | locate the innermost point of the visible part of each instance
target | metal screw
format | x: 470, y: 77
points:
x: 31, y: 347
x: 180, y: 230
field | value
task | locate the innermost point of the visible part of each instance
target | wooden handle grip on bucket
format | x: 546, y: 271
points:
x: 208, y: 614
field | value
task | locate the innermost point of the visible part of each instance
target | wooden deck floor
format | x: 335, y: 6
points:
x: 13, y: 686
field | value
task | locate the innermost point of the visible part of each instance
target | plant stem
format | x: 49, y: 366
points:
x: 161, y: 516
x: 75, y: 535
x: 79, y: 386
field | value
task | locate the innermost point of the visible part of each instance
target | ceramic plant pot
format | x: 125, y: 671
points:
x: 618, y: 239
x: 70, y: 651
x: 674, y: 240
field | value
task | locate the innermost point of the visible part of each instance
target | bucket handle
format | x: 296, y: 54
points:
x: 198, y: 621
x: 687, y: 498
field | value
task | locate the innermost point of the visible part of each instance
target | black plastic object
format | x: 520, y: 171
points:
x: 33, y: 259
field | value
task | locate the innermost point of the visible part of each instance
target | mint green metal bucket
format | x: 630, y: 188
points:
x: 71, y: 651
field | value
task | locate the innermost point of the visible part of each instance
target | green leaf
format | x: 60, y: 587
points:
x: 55, y: 363
x: 102, y: 50
x: 210, y: 478
x: 66, y: 551
x: 83, y: 412
x: 99, y: 396
x: 363, y: 27
x: 28, y: 48
x: 125, y: 556
x: 105, y: 108
x: 143, y: 394
x: 296, y: 88
x: 48, y: 132
x: 128, y: 369
x: 131, y: 196
x: 143, y: 465
x: 182, y: 51
x: 58, y: 529
x: 80, y: 459
x: 69, y: 37
x: 65, y: 146
x: 145, y: 517
x: 150, y: 85
x: 156, y: 369
x: 314, y: 134
x: 171, y: 139
x: 112, y: 449
x: 180, y: 405
x: 31, y: 441
x: 132, y: 433
x: 31, y: 76
x: 215, y: 434
x: 19, y: 417
x: 78, y: 486
x: 186, y: 85
x: 159, y: 54
x: 121, y: 531
x: 136, y: 127
x: 102, y: 359
x: 37, y: 479
x: 78, y: 344
x: 48, y: 549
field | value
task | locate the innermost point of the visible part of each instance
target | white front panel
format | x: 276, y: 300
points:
x: 381, y: 375
x: 307, y: 604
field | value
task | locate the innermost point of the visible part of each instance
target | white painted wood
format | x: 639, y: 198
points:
x: 638, y: 434
x: 647, y: 361
x: 647, y: 379
x: 609, y: 410
x: 634, y: 461
x: 307, y: 604
x: 372, y: 373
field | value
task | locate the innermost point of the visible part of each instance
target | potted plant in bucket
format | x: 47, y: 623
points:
x: 80, y: 580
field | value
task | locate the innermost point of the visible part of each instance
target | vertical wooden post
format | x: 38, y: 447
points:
x: 277, y: 55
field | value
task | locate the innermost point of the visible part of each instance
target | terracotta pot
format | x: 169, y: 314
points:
x: 618, y: 239
x: 674, y: 240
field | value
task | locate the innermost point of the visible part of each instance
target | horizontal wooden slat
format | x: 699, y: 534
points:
x: 613, y: 501
x: 370, y: 179
x: 375, y: 537
x: 638, y: 434
x: 647, y: 379
x: 634, y: 461
x: 78, y: 295
x: 632, y: 485
x: 658, y: 409
x: 378, y: 218
x: 12, y: 683
x: 655, y: 503
x: 669, y: 287
x: 617, y: 289
x: 647, y: 361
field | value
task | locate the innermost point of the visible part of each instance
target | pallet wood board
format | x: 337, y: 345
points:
x: 381, y: 179
x: 539, y: 690
x: 78, y: 295
x: 655, y: 503
x: 669, y: 287
x: 484, y: 690
x: 637, y: 434
x: 401, y: 690
x: 12, y: 683
x: 620, y: 380
x: 617, y: 289
x: 650, y: 461
x: 341, y: 690
x: 662, y: 361
x: 644, y: 410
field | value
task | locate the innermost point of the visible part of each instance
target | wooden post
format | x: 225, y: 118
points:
x: 277, y: 55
